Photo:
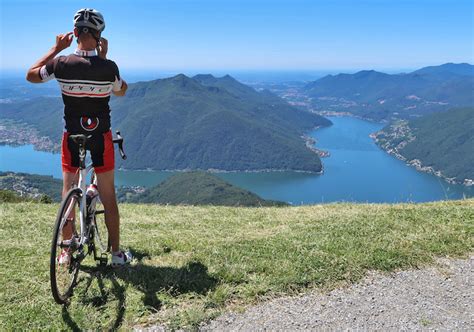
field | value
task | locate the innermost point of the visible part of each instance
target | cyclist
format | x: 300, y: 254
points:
x: 87, y: 79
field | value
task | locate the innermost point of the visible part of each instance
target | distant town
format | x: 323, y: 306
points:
x: 15, y: 134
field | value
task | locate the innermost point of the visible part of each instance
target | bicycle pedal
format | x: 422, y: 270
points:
x: 99, y: 212
x: 103, y: 260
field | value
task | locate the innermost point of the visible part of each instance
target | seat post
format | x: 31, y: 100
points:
x: 82, y: 156
x: 81, y: 141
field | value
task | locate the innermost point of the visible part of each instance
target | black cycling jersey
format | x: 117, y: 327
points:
x: 86, y: 82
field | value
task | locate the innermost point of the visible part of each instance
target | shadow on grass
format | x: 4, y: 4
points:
x: 150, y: 280
x: 98, y: 301
x: 68, y: 320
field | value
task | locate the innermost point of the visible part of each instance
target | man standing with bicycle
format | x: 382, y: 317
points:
x: 87, y: 79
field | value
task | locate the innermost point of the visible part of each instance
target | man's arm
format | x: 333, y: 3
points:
x: 63, y: 41
x: 102, y: 49
x: 122, y: 90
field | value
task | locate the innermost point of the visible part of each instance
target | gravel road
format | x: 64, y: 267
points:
x: 439, y: 297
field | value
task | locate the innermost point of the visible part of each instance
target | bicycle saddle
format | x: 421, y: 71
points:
x: 79, y: 139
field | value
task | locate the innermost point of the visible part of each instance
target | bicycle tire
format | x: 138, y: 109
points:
x: 101, y: 241
x: 63, y: 276
x: 101, y: 233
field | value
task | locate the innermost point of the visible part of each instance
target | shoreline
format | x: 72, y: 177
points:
x: 27, y: 135
x: 310, y: 143
x: 44, y: 144
x: 418, y: 165
x: 210, y: 170
x: 411, y: 163
x: 215, y: 170
x: 347, y: 114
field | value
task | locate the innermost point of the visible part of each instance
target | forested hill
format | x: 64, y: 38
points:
x: 188, y: 188
x: 31, y: 186
x: 199, y: 188
x: 381, y: 96
x: 212, y: 123
x: 195, y: 123
x: 441, y: 142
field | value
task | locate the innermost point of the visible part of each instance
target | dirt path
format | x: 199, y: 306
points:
x: 438, y: 297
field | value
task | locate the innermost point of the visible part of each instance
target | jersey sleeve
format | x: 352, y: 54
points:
x: 117, y: 83
x: 47, y: 72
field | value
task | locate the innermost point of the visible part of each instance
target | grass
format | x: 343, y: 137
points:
x: 193, y: 263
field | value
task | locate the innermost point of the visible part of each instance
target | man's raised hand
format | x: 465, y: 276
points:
x: 102, y: 48
x: 63, y: 41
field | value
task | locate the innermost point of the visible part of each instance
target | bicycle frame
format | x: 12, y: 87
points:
x: 83, y: 171
x: 83, y: 211
x: 82, y: 186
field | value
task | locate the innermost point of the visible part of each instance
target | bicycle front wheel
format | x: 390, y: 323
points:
x: 101, y: 237
x: 64, y: 263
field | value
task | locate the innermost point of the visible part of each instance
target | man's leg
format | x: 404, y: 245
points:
x: 106, y: 186
x: 68, y: 180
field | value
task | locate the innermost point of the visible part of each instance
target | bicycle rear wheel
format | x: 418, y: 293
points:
x: 64, y: 262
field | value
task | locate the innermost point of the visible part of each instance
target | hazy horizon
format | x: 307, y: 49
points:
x: 245, y: 35
x: 268, y: 75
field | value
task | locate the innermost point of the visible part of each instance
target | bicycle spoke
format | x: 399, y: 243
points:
x: 69, y: 209
x: 65, y: 256
x: 101, y: 233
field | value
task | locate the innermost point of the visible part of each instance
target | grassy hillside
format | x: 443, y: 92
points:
x: 9, y: 196
x: 195, y: 262
x: 199, y: 188
x: 442, y: 141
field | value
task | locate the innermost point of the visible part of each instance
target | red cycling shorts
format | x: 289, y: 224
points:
x: 101, y: 149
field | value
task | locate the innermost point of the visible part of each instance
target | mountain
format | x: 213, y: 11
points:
x: 212, y: 123
x: 199, y: 188
x: 195, y: 123
x: 45, y: 114
x: 462, y: 69
x: 228, y: 83
x: 440, y: 143
x: 379, y: 96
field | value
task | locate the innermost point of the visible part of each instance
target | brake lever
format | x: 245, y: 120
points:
x: 119, y: 141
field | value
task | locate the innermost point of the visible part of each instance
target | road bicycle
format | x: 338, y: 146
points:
x: 69, y: 248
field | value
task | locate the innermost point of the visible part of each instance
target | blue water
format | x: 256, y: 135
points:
x: 26, y: 160
x: 356, y: 171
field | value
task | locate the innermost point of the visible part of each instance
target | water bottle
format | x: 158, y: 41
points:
x: 91, y: 197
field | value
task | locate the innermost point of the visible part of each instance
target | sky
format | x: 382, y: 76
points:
x: 250, y: 34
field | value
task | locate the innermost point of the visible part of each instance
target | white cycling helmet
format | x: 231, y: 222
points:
x: 91, y: 18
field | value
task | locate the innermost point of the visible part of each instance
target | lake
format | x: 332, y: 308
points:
x: 356, y: 171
